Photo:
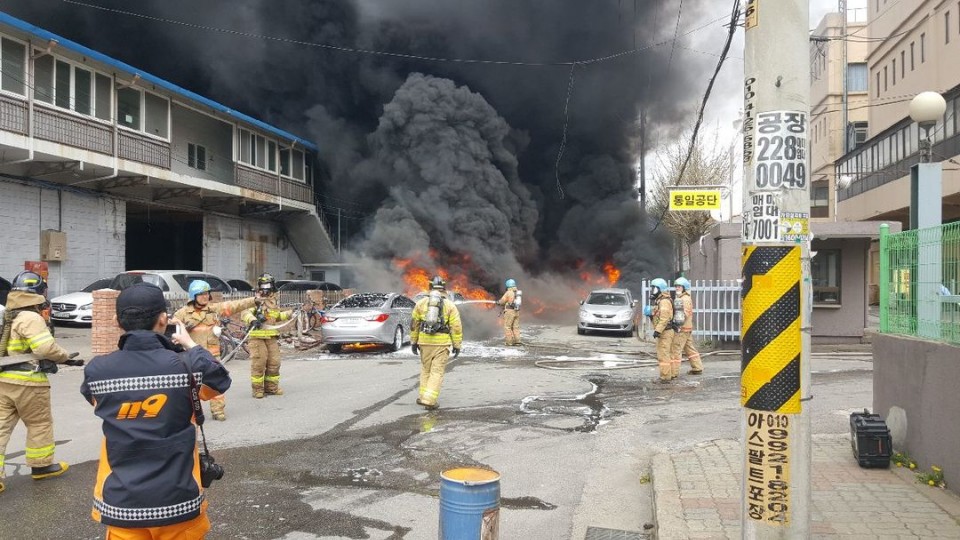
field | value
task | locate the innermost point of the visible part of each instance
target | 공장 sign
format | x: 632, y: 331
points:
x: 694, y: 199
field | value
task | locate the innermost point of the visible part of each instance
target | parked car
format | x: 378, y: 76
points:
x: 306, y: 285
x: 381, y: 318
x: 173, y: 283
x: 608, y: 310
x: 77, y: 307
x: 240, y: 285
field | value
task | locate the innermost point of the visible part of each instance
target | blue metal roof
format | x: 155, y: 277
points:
x: 166, y: 85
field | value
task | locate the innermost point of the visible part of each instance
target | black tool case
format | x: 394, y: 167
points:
x: 870, y: 439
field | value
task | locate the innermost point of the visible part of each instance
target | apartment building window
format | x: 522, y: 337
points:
x: 71, y: 87
x: 950, y: 119
x: 143, y: 111
x: 819, y: 201
x: 946, y: 26
x: 196, y: 157
x: 884, y: 78
x: 257, y: 151
x: 292, y: 163
x: 923, y: 48
x: 856, y: 134
x: 825, y: 273
x: 903, y: 64
x: 894, y: 72
x: 857, y: 77
x: 878, y: 83
x: 912, y: 48
x: 13, y: 57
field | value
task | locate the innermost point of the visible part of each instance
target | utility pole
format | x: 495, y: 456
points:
x: 643, y: 158
x: 776, y: 290
x: 843, y: 44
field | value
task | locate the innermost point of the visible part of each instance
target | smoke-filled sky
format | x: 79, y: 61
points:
x: 449, y: 162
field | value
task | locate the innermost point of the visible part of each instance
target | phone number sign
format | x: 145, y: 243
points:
x: 780, y: 157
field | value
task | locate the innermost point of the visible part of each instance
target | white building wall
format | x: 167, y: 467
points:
x: 236, y: 248
x: 95, y: 227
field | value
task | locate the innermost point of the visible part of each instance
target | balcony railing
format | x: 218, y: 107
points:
x: 144, y: 150
x: 267, y: 183
x: 13, y: 115
x: 54, y: 126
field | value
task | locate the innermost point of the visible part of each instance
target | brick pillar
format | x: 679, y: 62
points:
x: 104, y: 332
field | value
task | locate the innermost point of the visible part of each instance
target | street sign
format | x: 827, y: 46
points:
x: 682, y: 200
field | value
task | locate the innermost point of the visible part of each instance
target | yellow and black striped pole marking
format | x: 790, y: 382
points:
x: 770, y: 330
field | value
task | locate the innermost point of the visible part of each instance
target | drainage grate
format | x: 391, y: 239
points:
x: 596, y: 533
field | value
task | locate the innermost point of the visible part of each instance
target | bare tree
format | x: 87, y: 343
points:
x: 709, y: 164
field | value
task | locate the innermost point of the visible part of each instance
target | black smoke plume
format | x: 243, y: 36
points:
x: 450, y: 162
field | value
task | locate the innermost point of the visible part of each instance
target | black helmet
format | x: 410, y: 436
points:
x: 438, y: 283
x: 266, y: 282
x: 30, y: 282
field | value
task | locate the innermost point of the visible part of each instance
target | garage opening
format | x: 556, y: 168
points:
x: 162, y: 239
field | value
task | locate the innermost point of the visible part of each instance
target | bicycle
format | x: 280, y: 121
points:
x: 231, y: 335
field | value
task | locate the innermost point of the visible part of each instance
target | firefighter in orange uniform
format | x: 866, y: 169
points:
x: 27, y: 353
x: 683, y: 339
x: 663, y: 326
x: 264, y: 345
x: 511, y: 313
x: 435, y: 330
x: 201, y: 318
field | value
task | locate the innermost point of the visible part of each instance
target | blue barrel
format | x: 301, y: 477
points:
x: 469, y: 504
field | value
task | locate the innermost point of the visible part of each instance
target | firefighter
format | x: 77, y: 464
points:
x: 149, y: 484
x: 201, y: 318
x: 511, y: 313
x: 435, y: 327
x: 683, y: 339
x: 264, y: 342
x: 24, y: 387
x: 663, y: 326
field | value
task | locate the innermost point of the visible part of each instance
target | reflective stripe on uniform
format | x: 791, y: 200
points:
x: 40, y: 453
x: 1, y: 461
x: 39, y: 339
x: 272, y: 378
x: 28, y: 376
x: 17, y: 346
x: 256, y: 380
x: 262, y: 333
x: 430, y: 393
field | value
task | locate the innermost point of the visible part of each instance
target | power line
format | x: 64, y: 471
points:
x: 734, y: 17
x: 676, y: 29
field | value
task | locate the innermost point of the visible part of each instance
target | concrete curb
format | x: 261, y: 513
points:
x: 948, y: 501
x: 667, y: 509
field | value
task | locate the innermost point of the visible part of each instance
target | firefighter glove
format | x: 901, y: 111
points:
x: 656, y: 334
x: 74, y: 362
x: 415, y: 348
x: 256, y: 323
x: 456, y: 352
x: 73, y: 355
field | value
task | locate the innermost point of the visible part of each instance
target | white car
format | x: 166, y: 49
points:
x: 608, y: 310
x: 77, y: 307
x: 173, y: 283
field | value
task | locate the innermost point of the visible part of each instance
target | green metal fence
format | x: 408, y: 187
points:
x: 919, y: 282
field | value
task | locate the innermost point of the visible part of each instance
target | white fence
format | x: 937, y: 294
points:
x: 716, y: 309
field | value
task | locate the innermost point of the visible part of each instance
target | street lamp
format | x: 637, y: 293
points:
x: 926, y: 199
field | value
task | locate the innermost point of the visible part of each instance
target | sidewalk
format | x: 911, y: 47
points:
x: 697, y: 495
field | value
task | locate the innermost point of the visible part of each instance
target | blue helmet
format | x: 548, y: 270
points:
x: 197, y: 286
x: 682, y: 282
x: 510, y: 283
x: 660, y: 284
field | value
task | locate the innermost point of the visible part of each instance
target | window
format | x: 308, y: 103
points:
x: 894, y: 70
x: 912, y: 44
x: 82, y: 91
x: 128, y: 108
x: 257, y: 150
x: 884, y: 78
x: 950, y: 124
x: 857, y: 77
x: 819, y: 201
x: 245, y: 146
x: 825, y: 273
x: 903, y: 64
x: 878, y: 84
x: 923, y: 48
x: 946, y: 27
x: 104, y: 97
x: 272, y: 156
x: 156, y: 115
x: 196, y: 157
x: 13, y: 58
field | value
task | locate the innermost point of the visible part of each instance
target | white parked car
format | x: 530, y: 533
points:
x: 608, y: 310
x: 77, y: 307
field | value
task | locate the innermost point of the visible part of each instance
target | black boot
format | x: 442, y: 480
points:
x: 56, y: 469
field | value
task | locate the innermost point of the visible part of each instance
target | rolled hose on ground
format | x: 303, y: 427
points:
x: 631, y: 364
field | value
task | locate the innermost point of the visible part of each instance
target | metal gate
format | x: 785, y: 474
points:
x: 716, y: 309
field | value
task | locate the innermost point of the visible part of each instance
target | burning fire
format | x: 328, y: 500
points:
x: 609, y: 277
x: 418, y: 278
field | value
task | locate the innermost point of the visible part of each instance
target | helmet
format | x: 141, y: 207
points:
x: 438, y: 283
x: 197, y: 286
x: 30, y: 282
x: 660, y: 284
x: 682, y: 282
x: 266, y: 282
x: 510, y: 283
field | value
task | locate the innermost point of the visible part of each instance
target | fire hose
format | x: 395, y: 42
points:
x: 246, y: 337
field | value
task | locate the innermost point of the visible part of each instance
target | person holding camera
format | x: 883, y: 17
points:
x: 28, y: 353
x: 151, y: 478
x: 264, y: 343
x: 201, y: 318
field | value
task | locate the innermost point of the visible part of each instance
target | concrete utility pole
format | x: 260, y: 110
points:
x: 777, y: 292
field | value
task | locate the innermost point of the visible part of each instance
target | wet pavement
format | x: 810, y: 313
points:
x: 570, y: 422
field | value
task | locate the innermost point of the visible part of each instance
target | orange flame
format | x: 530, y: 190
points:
x: 417, y: 278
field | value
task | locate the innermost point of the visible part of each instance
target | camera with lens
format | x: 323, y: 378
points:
x: 209, y: 470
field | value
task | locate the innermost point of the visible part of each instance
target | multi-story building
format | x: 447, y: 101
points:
x: 914, y: 47
x: 120, y: 169
x: 832, y: 57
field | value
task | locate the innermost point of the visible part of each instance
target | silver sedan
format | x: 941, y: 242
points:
x: 367, y: 318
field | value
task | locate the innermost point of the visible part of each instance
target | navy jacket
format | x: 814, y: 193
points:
x: 149, y: 473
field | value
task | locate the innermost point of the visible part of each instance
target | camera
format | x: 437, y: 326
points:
x: 209, y: 470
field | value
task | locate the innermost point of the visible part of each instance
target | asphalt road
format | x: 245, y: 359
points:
x: 347, y: 454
